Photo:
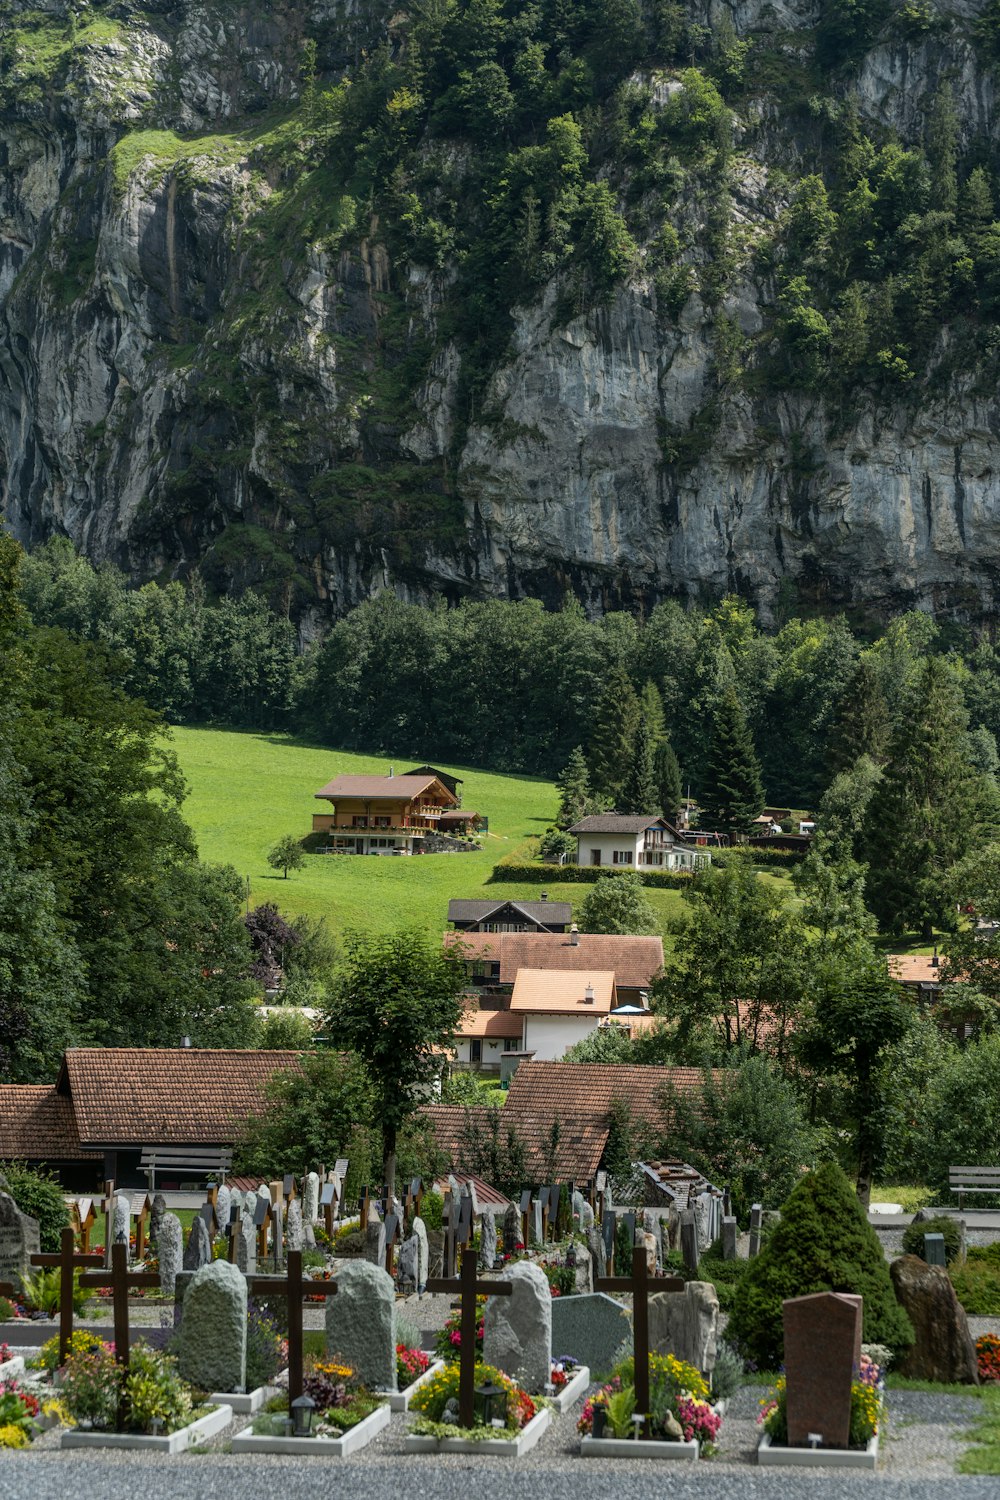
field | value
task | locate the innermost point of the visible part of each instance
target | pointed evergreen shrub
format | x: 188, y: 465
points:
x: 824, y: 1243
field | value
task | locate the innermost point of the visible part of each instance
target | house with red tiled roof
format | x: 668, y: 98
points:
x: 382, y: 814
x: 109, y: 1104
x: 627, y: 841
x: 569, y: 1150
x: 494, y: 958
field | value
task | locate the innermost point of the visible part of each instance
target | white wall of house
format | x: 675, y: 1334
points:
x: 492, y: 1051
x: 548, y: 1036
x: 626, y: 851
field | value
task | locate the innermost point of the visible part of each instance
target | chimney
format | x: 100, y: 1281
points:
x: 574, y: 936
x: 390, y: 770
x: 545, y: 895
x: 588, y: 995
x: 935, y: 961
x: 185, y: 1041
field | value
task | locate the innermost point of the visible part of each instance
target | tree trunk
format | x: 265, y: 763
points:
x: 866, y: 1140
x: 389, y: 1158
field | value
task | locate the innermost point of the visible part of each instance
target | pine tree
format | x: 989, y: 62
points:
x: 864, y: 723
x: 573, y: 786
x: 732, y: 795
x: 651, y: 709
x: 612, y: 744
x: 640, y: 793
x: 667, y: 770
x: 929, y: 811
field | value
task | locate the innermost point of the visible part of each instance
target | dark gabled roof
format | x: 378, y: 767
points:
x: 38, y: 1124
x: 445, y: 777
x: 618, y: 823
x: 160, y: 1096
x: 556, y: 913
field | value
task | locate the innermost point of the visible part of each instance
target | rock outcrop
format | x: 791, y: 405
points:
x: 943, y: 1348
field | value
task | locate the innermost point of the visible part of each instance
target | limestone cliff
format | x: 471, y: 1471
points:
x: 214, y: 352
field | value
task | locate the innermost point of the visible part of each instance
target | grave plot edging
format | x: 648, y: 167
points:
x: 496, y: 1447
x: 591, y: 1447
x: 355, y: 1438
x: 572, y: 1390
x: 12, y: 1366
x: 244, y: 1403
x: 176, y: 1442
x: 775, y: 1455
x: 400, y: 1400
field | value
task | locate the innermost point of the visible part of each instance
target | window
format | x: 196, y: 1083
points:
x: 511, y: 1043
x: 476, y: 1050
x: 621, y: 856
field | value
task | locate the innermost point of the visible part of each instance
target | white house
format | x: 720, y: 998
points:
x: 559, y: 1007
x: 634, y: 841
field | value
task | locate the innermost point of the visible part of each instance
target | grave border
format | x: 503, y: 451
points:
x: 245, y: 1403
x: 591, y: 1447
x: 777, y: 1455
x: 571, y: 1392
x: 400, y: 1400
x: 11, y: 1367
x: 526, y: 1439
x: 356, y: 1438
x: 210, y: 1425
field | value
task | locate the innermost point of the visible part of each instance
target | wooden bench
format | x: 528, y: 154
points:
x: 206, y: 1161
x: 973, y: 1180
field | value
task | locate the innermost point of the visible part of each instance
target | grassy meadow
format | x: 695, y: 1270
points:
x: 248, y: 790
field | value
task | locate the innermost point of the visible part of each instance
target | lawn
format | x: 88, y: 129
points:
x: 247, y: 790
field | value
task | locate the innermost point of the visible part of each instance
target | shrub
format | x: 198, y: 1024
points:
x: 91, y: 1386
x: 40, y: 1195
x: 433, y: 1396
x: 977, y: 1281
x: 265, y: 1348
x: 913, y: 1237
x: 823, y: 1243
x: 154, y: 1391
x: 7, y: 1310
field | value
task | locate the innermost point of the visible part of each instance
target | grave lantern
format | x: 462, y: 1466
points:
x: 302, y: 1416
x: 486, y: 1395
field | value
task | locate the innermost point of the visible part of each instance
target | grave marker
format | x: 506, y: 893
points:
x: 822, y: 1351
x: 640, y: 1284
x: 291, y: 1286
x: 68, y: 1261
x: 934, y: 1250
x: 469, y: 1288
x: 19, y: 1241
x: 756, y: 1219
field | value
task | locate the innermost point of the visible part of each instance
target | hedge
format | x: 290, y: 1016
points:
x: 542, y: 874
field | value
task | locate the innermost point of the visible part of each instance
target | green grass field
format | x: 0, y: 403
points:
x: 247, y: 790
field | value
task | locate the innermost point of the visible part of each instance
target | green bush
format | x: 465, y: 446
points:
x: 725, y: 1275
x: 39, y: 1194
x: 977, y: 1281
x: 6, y: 1310
x: 913, y: 1237
x: 823, y: 1243
x: 537, y: 874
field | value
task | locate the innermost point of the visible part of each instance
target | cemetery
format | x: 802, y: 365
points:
x: 288, y: 1320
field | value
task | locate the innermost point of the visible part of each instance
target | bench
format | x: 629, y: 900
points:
x: 973, y: 1180
x: 207, y: 1161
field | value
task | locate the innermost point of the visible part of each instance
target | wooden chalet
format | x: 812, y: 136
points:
x: 510, y: 916
x: 382, y: 814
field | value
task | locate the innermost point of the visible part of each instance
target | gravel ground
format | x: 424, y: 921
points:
x: 919, y: 1454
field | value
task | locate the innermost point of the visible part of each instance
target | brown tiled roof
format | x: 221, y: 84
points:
x: 159, y: 1096
x: 489, y: 1023
x: 633, y: 960
x: 578, y: 1150
x: 588, y: 1090
x: 563, y: 992
x: 38, y: 1124
x: 475, y: 945
x: 916, y: 968
x: 404, y: 787
x: 617, y: 823
x: 486, y: 1196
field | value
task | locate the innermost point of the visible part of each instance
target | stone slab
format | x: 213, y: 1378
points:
x: 590, y: 1328
x: 177, y: 1442
x: 499, y: 1447
x: 591, y: 1447
x: 317, y: 1447
x: 771, y: 1455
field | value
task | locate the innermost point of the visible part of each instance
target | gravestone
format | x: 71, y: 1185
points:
x: 686, y: 1324
x: 236, y: 1204
x: 586, y: 1217
x: 579, y: 1201
x: 361, y: 1324
x: 246, y: 1245
x: 535, y: 1221
x: 517, y: 1330
x: 511, y: 1230
x: 756, y: 1218
x: 942, y: 1348
x: 584, y: 1270
x: 198, y: 1251
x: 121, y: 1219
x: 310, y: 1198
x: 730, y: 1230
x: 822, y: 1351
x: 408, y: 1264
x: 934, y: 1250
x: 652, y: 1244
x: 169, y: 1249
x: 689, y: 1240
x: 706, y: 1208
x: 293, y: 1226
x: 211, y: 1343
x: 264, y: 1193
x: 592, y: 1329
x: 156, y: 1213
x: 423, y: 1252
x: 223, y: 1207
x: 487, y: 1240
x: 598, y: 1254
x: 374, y: 1251
x: 18, y: 1241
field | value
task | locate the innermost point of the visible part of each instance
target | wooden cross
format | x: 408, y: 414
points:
x: 391, y: 1238
x: 363, y: 1207
x: 140, y: 1226
x: 119, y: 1279
x: 469, y: 1288
x: 640, y: 1284
x: 291, y: 1286
x: 67, y: 1260
x: 108, y: 1205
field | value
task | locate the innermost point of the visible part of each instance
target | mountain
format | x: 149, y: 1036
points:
x: 480, y: 298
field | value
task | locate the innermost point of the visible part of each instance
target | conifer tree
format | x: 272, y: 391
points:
x: 573, y: 786
x: 667, y: 770
x: 612, y: 744
x: 732, y: 794
x: 640, y: 793
x: 929, y: 811
x: 651, y: 709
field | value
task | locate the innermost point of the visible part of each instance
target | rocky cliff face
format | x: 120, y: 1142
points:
x: 209, y: 355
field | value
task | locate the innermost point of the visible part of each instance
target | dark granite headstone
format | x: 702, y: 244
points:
x: 756, y: 1219
x: 729, y: 1235
x: 689, y: 1239
x: 18, y: 1240
x: 934, y: 1250
x: 822, y: 1351
x: 511, y: 1230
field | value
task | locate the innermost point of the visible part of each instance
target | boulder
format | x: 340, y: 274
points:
x: 361, y: 1323
x: 943, y: 1348
x: 686, y: 1324
x: 517, y: 1330
x: 211, y: 1344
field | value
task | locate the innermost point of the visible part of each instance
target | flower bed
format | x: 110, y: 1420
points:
x: 988, y: 1356
x: 413, y: 1369
x: 570, y: 1380
x: 867, y: 1406
x: 448, y: 1343
x: 681, y: 1422
x: 516, y: 1424
x: 347, y: 1416
x: 203, y: 1424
